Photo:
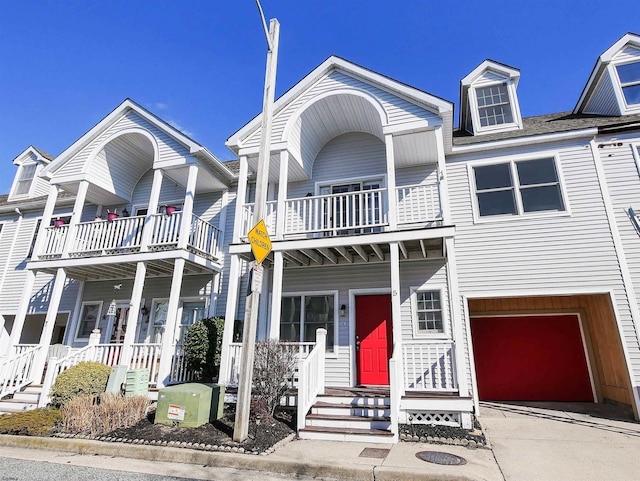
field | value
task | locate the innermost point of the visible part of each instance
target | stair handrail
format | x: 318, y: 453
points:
x: 311, y: 376
x: 16, y: 371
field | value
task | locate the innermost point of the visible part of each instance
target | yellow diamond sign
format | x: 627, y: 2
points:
x: 260, y: 242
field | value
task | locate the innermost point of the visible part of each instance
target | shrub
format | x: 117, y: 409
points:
x: 96, y: 415
x: 38, y: 422
x: 202, y: 345
x: 86, y: 378
x: 273, y: 368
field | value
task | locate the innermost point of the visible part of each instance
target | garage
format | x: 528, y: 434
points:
x: 530, y: 358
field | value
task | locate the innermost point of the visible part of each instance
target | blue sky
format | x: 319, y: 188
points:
x: 199, y: 65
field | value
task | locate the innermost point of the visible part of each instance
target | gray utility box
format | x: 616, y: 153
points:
x: 137, y: 383
x: 190, y: 405
x: 116, y: 379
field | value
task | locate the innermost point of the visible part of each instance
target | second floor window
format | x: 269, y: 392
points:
x: 25, y: 178
x: 494, y: 107
x: 518, y: 187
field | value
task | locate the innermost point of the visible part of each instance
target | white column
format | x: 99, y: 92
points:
x: 169, y: 336
x: 276, y: 295
x: 241, y: 199
x: 443, y: 191
x: 187, y: 208
x: 23, y: 307
x: 76, y: 216
x: 281, y: 212
x: 395, y: 293
x: 392, y: 214
x: 152, y: 209
x: 215, y: 293
x: 45, y: 220
x: 49, y: 322
x: 134, y: 312
x: 229, y: 318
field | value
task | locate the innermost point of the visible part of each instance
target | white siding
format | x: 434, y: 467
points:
x: 488, y: 77
x: 548, y: 254
x: 627, y: 54
x: 398, y: 109
x: 603, y: 100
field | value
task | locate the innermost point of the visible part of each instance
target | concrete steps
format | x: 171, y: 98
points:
x: 24, y: 400
x: 350, y: 414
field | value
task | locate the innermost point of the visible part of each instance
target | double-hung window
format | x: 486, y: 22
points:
x: 518, y: 187
x: 302, y: 314
x: 25, y: 179
x: 629, y: 75
x: 494, y: 106
x: 427, y: 311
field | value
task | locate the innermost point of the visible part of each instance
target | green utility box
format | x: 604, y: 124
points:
x: 117, y: 378
x: 190, y: 405
x: 137, y: 383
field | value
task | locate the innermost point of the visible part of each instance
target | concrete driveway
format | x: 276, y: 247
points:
x: 562, y: 441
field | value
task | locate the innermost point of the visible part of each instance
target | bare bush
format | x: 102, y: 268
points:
x: 273, y: 368
x: 102, y: 414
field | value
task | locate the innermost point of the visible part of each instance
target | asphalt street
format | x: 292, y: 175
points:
x: 17, y: 464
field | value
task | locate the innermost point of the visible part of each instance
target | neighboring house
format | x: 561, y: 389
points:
x: 497, y: 261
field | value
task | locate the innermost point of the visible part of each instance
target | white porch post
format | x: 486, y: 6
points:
x: 46, y: 220
x: 152, y: 209
x: 396, y: 305
x: 281, y: 212
x: 276, y: 296
x: 215, y: 293
x: 49, y: 322
x: 23, y: 307
x: 76, y: 216
x: 169, y: 337
x: 229, y: 318
x: 241, y: 199
x: 392, y: 214
x: 134, y: 312
x: 443, y: 191
x: 187, y: 208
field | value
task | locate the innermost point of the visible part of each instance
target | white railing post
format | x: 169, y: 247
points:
x: 321, y: 343
x: 394, y: 384
x: 52, y: 367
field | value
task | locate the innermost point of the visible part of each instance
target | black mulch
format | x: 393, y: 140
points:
x: 443, y: 434
x: 264, y: 432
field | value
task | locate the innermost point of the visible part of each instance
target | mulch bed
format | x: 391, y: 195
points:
x: 264, y: 433
x: 444, y: 435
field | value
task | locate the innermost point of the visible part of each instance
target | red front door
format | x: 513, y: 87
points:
x: 373, y: 338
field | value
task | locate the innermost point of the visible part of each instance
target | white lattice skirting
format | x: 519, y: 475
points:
x: 432, y: 417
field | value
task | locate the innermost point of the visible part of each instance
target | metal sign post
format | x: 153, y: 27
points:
x: 241, y: 426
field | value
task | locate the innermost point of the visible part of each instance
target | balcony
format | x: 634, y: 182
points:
x: 125, y: 236
x: 365, y: 211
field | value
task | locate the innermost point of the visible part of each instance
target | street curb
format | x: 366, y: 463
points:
x: 227, y: 460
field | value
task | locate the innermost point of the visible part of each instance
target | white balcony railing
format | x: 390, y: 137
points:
x: 429, y: 366
x: 351, y: 212
x: 124, y: 235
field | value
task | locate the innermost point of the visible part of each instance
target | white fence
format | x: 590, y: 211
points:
x: 429, y: 366
x: 16, y: 372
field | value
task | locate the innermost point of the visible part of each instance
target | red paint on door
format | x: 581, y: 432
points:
x: 530, y: 358
x: 374, y: 333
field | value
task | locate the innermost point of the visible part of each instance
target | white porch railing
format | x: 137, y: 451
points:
x: 20, y: 348
x: 351, y: 212
x: 418, y: 203
x: 205, y: 238
x: 179, y: 370
x: 165, y: 230
x: 235, y: 354
x: 146, y: 356
x: 55, y: 239
x: 270, y: 218
x: 311, y: 377
x: 121, y: 234
x: 16, y: 372
x: 429, y: 366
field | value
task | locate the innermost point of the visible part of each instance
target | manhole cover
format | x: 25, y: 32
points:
x: 438, y: 457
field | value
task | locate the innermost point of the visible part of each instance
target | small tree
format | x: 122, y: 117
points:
x: 202, y: 344
x: 273, y: 368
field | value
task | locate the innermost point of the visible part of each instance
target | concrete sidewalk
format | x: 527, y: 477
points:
x: 320, y: 459
x: 562, y: 441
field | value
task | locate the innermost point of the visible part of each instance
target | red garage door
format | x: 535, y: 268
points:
x: 530, y: 358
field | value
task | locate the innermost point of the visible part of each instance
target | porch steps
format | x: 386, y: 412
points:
x: 350, y: 414
x: 24, y: 400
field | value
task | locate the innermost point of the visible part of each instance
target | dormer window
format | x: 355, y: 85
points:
x: 25, y: 179
x: 629, y: 75
x: 494, y: 107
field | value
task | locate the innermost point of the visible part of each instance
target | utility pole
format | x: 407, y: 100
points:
x: 241, y: 426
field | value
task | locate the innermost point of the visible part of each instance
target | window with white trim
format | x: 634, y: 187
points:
x: 518, y: 187
x: 302, y: 314
x: 25, y: 178
x: 192, y: 312
x: 494, y: 105
x: 427, y: 312
x: 629, y: 76
x: 89, y: 318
